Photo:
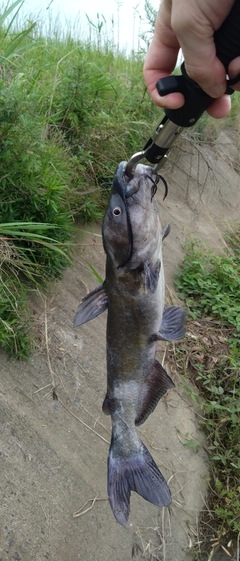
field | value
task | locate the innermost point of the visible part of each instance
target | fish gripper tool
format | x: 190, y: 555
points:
x: 227, y: 41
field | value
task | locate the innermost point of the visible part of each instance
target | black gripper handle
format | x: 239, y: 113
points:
x: 227, y: 40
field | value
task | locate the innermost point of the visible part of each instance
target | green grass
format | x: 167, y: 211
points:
x: 209, y: 284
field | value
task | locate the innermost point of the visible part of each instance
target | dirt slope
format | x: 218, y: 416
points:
x: 53, y: 452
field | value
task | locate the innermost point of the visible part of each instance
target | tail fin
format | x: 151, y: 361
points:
x: 137, y: 473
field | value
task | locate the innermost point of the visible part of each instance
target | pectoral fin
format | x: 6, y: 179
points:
x: 151, y: 276
x: 157, y: 384
x: 172, y: 327
x: 92, y: 305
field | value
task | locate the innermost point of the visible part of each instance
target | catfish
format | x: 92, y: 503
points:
x: 133, y: 294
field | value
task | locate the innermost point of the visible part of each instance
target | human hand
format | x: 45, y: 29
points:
x: 190, y: 25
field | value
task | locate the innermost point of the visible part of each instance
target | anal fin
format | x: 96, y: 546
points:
x: 157, y: 384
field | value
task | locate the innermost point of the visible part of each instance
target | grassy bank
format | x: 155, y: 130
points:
x: 209, y: 284
x: 70, y: 112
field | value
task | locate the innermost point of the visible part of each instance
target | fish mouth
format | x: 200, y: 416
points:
x: 153, y: 176
x: 121, y: 184
x: 132, y: 190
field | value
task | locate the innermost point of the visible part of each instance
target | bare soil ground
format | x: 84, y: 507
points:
x: 53, y: 452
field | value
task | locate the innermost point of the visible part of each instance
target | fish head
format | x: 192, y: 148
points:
x: 116, y: 227
x: 131, y: 225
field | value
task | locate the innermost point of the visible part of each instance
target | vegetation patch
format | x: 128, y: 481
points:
x: 210, y: 286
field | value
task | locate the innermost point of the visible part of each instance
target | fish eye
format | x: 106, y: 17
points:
x: 117, y: 211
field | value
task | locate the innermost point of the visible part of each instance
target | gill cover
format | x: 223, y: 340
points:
x: 116, y: 228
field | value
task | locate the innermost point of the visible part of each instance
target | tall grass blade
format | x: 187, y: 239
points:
x: 8, y: 11
x: 95, y: 273
x: 12, y: 49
